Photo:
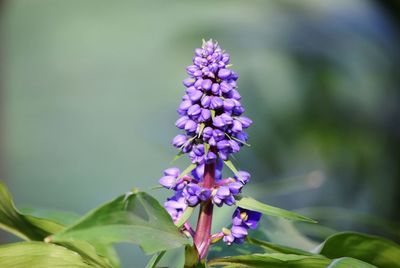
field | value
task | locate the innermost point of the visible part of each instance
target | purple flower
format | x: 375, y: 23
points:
x: 193, y: 194
x: 223, y: 195
x: 244, y: 177
x: 179, y: 140
x: 206, y: 84
x: 194, y: 111
x: 168, y: 182
x: 245, y: 217
x: 188, y: 82
x: 181, y: 122
x: 172, y: 171
x: 235, y: 187
x: 213, y: 126
x: 190, y: 126
x: 246, y: 122
x: 216, y: 103
x: 176, y: 205
x: 170, y: 179
x: 224, y: 73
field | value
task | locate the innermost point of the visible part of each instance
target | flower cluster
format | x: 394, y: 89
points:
x: 210, y: 111
x: 189, y: 190
x: 213, y: 124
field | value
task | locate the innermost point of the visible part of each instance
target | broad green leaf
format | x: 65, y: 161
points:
x: 277, y: 248
x: 347, y: 262
x: 34, y: 228
x: 252, y: 204
x: 24, y: 226
x: 58, y: 216
x: 135, y: 217
x: 155, y: 259
x: 371, y: 249
x: 272, y: 260
x: 185, y: 216
x: 39, y: 254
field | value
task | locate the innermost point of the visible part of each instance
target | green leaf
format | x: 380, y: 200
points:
x: 277, y: 248
x: 24, y: 226
x: 58, y: 216
x: 135, y: 217
x: 347, y: 262
x: 252, y: 204
x: 272, y: 260
x: 30, y: 227
x: 39, y: 254
x: 371, y: 249
x: 91, y: 254
x: 185, y: 216
x: 155, y: 259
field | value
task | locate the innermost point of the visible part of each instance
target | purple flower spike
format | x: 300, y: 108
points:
x: 213, y: 128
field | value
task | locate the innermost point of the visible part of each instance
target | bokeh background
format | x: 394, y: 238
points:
x: 89, y: 91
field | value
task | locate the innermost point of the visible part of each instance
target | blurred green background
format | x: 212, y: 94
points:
x: 89, y: 91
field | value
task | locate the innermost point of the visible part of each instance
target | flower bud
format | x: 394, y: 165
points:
x: 224, y: 73
x: 172, y: 171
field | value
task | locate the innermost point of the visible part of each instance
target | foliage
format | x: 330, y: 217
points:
x: 138, y: 218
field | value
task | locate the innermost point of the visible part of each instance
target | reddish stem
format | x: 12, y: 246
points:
x: 202, y: 238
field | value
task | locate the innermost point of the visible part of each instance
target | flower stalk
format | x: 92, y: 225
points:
x: 202, y: 238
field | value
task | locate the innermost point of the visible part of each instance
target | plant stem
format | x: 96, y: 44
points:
x: 202, y: 238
